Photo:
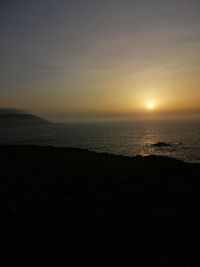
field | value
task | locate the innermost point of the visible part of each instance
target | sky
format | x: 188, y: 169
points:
x: 84, y: 58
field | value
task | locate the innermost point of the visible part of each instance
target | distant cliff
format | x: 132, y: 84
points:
x: 21, y: 120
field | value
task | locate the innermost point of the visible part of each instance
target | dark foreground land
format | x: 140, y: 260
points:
x: 71, y: 207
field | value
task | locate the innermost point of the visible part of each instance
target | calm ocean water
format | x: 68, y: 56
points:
x: 123, y: 138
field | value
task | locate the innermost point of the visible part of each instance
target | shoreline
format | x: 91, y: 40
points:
x: 77, y: 149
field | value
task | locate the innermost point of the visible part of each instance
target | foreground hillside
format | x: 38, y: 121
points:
x: 71, y: 207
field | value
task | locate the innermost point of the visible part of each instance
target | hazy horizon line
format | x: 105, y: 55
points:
x: 101, y: 115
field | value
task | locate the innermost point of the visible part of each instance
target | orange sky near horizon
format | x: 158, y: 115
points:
x: 103, y: 59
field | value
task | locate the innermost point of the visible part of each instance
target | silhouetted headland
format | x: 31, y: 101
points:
x: 17, y: 119
x: 72, y: 207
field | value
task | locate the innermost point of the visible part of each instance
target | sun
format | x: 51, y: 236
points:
x: 150, y: 105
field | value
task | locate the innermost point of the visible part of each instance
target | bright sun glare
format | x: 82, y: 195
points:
x: 150, y: 105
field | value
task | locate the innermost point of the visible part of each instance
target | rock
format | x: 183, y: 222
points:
x: 162, y: 144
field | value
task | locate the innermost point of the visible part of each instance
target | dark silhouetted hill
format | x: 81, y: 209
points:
x: 71, y: 207
x: 21, y: 120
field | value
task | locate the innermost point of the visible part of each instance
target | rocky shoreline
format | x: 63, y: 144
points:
x: 72, y: 207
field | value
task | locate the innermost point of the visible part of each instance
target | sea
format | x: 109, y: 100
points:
x: 120, y: 137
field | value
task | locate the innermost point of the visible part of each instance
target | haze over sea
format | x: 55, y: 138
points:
x: 126, y: 137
